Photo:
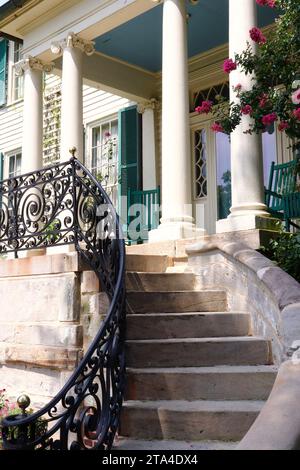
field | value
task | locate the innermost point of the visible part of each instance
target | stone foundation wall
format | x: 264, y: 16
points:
x: 50, y: 310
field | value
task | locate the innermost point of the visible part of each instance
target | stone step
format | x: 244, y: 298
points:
x: 197, y: 352
x: 187, y: 325
x: 177, y: 302
x: 182, y: 420
x: 148, y: 263
x: 153, y: 282
x: 123, y: 443
x: 201, y: 383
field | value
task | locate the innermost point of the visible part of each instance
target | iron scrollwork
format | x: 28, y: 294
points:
x: 59, y: 205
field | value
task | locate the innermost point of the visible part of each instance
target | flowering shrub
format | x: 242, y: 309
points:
x: 8, y: 408
x: 275, y: 94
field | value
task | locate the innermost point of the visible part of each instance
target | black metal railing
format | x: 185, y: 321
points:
x: 59, y: 205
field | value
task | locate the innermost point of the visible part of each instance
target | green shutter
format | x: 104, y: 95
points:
x: 3, y: 65
x: 130, y: 157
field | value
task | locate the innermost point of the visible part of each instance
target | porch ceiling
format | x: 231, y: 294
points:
x: 139, y: 41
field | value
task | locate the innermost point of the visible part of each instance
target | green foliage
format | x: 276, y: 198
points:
x: 8, y: 408
x: 52, y: 230
x: 284, y: 250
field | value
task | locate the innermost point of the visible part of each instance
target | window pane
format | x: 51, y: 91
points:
x: 18, y: 164
x: 200, y: 149
x: 106, y: 134
x: 12, y: 165
x: 223, y: 175
x: 96, y: 136
x: 269, y: 153
x: 17, y: 52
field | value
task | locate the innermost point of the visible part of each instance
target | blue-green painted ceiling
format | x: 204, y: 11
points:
x: 139, y: 40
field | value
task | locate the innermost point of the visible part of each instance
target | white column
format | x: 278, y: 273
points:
x: 72, y: 49
x: 177, y: 221
x: 32, y: 151
x: 248, y: 207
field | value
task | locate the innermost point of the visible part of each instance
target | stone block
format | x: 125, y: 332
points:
x: 89, y: 282
x: 49, y: 264
x: 40, y: 298
x: 49, y: 335
x: 40, y: 356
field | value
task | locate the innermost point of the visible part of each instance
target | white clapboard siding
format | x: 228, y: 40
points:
x: 97, y: 105
x: 11, y: 127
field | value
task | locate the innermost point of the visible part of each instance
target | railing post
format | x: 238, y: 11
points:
x: 75, y: 202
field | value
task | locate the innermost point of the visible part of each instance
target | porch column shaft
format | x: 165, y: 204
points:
x: 176, y: 169
x: 32, y: 152
x: 246, y: 150
x: 176, y: 152
x: 72, y: 103
x: 72, y: 97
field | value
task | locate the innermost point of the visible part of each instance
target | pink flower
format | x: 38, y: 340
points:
x: 296, y: 96
x: 216, y: 127
x: 229, y: 65
x: 205, y: 107
x: 107, y: 134
x: 296, y: 113
x: 257, y: 36
x: 263, y: 100
x: 283, y: 125
x: 268, y: 119
x: 247, y: 109
x: 237, y: 87
x: 268, y: 3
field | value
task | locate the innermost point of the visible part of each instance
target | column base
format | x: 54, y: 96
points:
x: 246, y: 222
x: 175, y: 231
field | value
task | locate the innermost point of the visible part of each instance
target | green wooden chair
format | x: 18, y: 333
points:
x: 149, y: 201
x: 282, y: 195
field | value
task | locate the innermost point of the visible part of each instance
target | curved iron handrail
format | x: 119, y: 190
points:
x: 58, y: 205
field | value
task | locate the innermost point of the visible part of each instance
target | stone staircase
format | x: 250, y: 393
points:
x: 195, y: 373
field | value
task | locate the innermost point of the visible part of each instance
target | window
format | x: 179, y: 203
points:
x: 14, y: 164
x: 17, y: 80
x: 200, y: 149
x: 223, y: 175
x: 224, y: 168
x: 103, y: 155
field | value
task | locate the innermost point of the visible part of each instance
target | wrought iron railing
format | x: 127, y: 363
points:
x: 59, y: 205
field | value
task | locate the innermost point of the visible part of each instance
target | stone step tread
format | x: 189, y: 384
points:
x: 123, y: 443
x: 185, y: 292
x: 243, y: 339
x: 216, y: 406
x: 176, y: 301
x: 206, y: 370
x: 180, y: 314
x: 167, y: 274
x: 155, y: 314
x: 201, y: 383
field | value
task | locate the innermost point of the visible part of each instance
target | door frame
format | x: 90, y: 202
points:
x: 198, y: 122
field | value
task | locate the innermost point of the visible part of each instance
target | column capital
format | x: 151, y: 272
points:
x: 32, y: 63
x: 153, y: 103
x: 73, y: 41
